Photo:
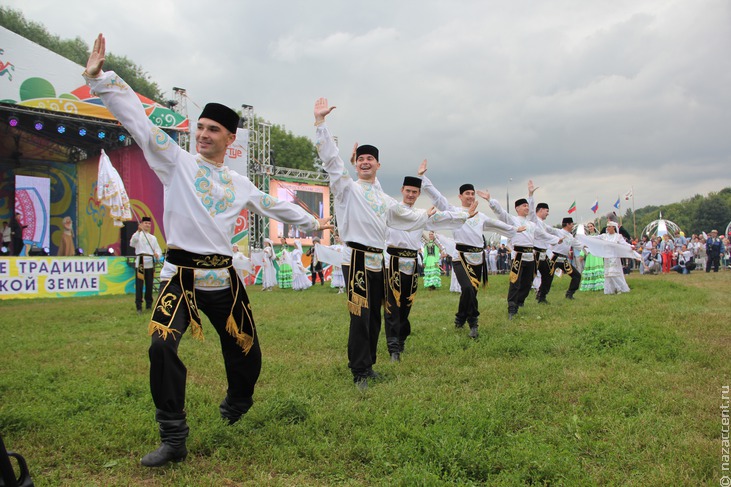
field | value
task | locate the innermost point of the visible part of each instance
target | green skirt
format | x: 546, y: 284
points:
x: 592, y: 279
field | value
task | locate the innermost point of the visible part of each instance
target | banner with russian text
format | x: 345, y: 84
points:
x: 58, y: 277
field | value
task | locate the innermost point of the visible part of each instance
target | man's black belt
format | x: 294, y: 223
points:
x: 364, y: 248
x: 537, y: 249
x: 406, y: 253
x: 468, y: 248
x: 183, y: 258
x: 523, y: 249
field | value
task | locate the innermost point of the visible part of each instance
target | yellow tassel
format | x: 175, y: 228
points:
x: 245, y: 341
x: 196, y: 330
x: 231, y: 326
x: 163, y: 330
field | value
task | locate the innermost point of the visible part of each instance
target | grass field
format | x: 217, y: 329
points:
x: 603, y: 390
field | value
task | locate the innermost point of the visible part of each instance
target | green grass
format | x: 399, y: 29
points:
x: 603, y: 390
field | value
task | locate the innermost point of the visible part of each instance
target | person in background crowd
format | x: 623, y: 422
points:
x: 148, y: 252
x: 666, y: 248
x: 652, y: 263
x: 714, y: 251
x: 684, y: 259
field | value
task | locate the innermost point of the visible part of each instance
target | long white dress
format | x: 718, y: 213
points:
x: 614, y: 281
x: 268, y: 271
x: 300, y: 281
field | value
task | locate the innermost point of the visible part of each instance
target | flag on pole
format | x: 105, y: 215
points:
x: 616, y: 205
x: 111, y: 193
x: 628, y: 194
x: 596, y: 206
x: 572, y: 208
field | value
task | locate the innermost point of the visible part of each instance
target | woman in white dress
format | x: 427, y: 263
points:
x: 268, y: 271
x: 337, y: 278
x: 614, y: 281
x: 300, y: 281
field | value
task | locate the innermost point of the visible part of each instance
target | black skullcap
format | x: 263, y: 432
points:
x: 466, y: 187
x: 540, y: 206
x: 521, y: 201
x: 366, y: 149
x: 412, y: 181
x: 146, y: 219
x: 566, y: 221
x: 221, y: 114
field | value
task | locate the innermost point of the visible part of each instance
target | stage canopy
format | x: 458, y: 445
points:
x: 43, y: 93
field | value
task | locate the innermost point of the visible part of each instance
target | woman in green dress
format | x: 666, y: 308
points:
x: 284, y: 260
x: 592, y: 278
x: 432, y: 273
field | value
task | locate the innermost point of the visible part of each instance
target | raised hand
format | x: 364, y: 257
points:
x: 422, y: 168
x: 96, y: 58
x: 483, y: 194
x: 322, y: 110
x: 354, y: 155
x: 531, y: 187
x: 472, y: 210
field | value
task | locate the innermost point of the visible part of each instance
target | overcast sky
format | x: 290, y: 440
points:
x: 587, y: 98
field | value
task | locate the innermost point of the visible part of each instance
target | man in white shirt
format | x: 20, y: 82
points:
x: 203, y: 201
x: 468, y: 259
x: 148, y: 252
x: 523, y: 268
x: 363, y: 214
x: 401, y: 277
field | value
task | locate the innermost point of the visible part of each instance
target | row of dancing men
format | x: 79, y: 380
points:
x: 203, y: 199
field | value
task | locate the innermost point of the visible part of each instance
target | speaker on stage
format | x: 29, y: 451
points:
x: 125, y: 233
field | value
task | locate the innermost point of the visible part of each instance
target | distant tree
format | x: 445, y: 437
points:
x: 292, y: 150
x: 76, y: 50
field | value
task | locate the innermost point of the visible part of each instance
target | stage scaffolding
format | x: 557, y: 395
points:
x: 262, y: 168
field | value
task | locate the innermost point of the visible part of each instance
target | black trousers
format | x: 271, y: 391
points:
x: 468, y: 310
x: 543, y: 267
x: 168, y: 373
x: 365, y: 329
x: 519, y: 290
x: 713, y: 261
x: 316, y: 270
x: 567, y: 268
x: 398, y: 327
x: 147, y: 284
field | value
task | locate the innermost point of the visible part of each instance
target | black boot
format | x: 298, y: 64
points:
x: 232, y: 409
x: 569, y: 294
x: 173, y: 432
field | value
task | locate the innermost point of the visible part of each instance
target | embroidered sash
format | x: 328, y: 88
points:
x: 473, y: 269
x: 240, y: 323
x: 393, y: 276
x: 358, y: 277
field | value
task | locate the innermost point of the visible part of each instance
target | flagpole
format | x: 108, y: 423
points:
x: 634, y: 217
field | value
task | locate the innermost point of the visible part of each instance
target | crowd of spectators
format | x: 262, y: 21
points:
x: 681, y: 254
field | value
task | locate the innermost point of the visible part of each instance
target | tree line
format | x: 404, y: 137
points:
x: 693, y: 215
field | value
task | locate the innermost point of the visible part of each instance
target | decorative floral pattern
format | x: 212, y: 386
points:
x: 215, y: 190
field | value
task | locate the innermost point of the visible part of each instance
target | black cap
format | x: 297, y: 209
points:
x: 566, y: 221
x: 221, y: 114
x: 412, y: 181
x: 145, y: 219
x: 466, y: 187
x: 521, y: 201
x: 366, y: 149
x: 540, y: 206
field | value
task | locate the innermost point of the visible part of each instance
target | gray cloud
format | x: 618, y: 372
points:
x: 587, y: 98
